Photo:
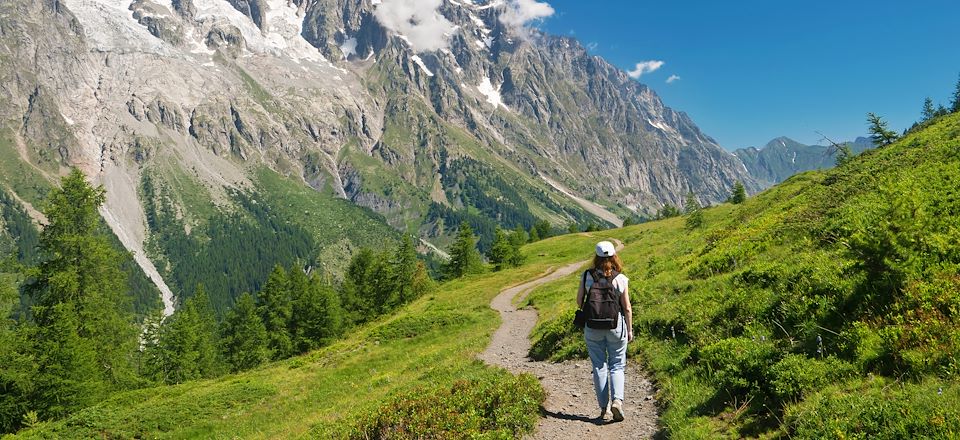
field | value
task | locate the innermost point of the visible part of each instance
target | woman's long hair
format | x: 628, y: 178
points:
x: 607, y: 265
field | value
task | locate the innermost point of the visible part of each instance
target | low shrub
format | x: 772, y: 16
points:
x: 864, y: 346
x: 738, y: 365
x: 878, y: 409
x: 797, y: 375
x: 496, y: 406
x: 415, y: 325
x: 927, y: 321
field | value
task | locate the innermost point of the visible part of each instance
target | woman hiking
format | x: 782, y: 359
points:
x: 603, y: 296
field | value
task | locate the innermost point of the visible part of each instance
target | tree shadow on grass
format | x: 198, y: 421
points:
x: 712, y: 407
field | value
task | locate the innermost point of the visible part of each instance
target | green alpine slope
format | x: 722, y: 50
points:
x: 825, y: 307
x: 394, y: 368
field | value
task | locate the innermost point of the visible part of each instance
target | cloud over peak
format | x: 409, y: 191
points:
x: 421, y: 24
x: 419, y: 21
x: 673, y: 78
x: 519, y: 13
x: 645, y: 67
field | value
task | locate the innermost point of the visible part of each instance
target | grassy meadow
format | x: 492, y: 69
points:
x: 350, y: 389
x: 825, y: 307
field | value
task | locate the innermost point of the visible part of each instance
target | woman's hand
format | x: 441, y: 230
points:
x: 630, y: 335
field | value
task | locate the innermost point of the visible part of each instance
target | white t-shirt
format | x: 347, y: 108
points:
x: 621, y: 283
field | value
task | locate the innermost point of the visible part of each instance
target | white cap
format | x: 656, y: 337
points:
x: 606, y: 249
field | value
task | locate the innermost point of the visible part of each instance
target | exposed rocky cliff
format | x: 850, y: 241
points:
x: 332, y: 93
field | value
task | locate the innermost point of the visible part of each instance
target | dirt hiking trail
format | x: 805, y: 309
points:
x: 570, y: 411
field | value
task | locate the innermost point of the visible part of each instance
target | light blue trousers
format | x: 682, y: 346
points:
x: 608, y: 354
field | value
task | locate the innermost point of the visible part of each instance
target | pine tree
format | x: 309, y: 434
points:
x: 500, y: 252
x: 955, y: 103
x: 544, y: 229
x: 380, y: 286
x: 694, y: 212
x: 298, y: 283
x: 667, y: 211
x: 17, y: 367
x: 464, y: 257
x: 519, y: 235
x: 880, y: 133
x: 942, y: 111
x: 573, y: 228
x: 275, y: 307
x: 356, y: 297
x: 517, y: 239
x: 404, y: 267
x: 534, y: 235
x: 79, y: 277
x: 68, y: 376
x: 243, y: 336
x: 739, y: 194
x: 844, y: 154
x: 421, y: 284
x: 209, y: 361
x: 187, y: 347
x: 317, y: 316
x: 929, y: 111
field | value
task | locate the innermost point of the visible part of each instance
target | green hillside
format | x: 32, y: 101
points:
x: 826, y: 307
x: 425, y: 351
x: 232, y: 248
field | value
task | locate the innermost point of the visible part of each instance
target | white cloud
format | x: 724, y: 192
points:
x: 592, y: 45
x: 645, y: 67
x: 417, y: 20
x: 673, y: 78
x: 519, y: 13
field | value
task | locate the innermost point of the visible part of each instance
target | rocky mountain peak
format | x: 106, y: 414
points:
x: 428, y: 112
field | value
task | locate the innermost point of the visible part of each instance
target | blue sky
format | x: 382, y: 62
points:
x: 754, y: 70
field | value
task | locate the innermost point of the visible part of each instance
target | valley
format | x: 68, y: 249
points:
x: 368, y: 219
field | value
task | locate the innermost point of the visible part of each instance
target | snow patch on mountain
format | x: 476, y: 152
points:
x: 419, y: 61
x: 285, y: 32
x: 492, y: 94
x: 660, y: 126
x: 488, y: 6
x: 109, y: 26
x: 349, y: 47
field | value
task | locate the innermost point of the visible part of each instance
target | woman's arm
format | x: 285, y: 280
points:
x: 627, y: 313
x: 580, y: 291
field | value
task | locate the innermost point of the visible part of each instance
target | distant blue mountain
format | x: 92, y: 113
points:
x: 784, y: 157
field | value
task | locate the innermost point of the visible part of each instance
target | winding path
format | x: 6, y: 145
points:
x: 570, y: 410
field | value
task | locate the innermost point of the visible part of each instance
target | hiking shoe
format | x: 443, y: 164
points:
x: 617, y: 409
x: 603, y: 414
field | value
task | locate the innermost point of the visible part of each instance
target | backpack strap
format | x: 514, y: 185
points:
x: 586, y: 293
x: 614, y: 275
x: 596, y: 274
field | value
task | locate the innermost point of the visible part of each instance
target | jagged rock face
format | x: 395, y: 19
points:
x: 185, y: 8
x: 608, y: 130
x: 253, y: 9
x: 322, y: 91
